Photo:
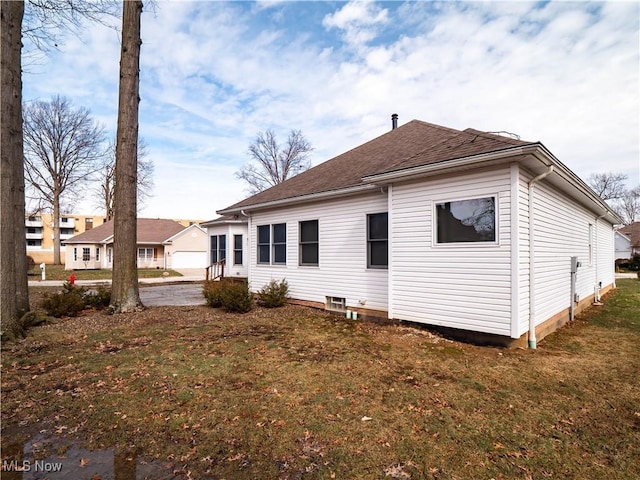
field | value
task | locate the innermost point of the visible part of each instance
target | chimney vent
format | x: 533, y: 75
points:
x: 394, y: 121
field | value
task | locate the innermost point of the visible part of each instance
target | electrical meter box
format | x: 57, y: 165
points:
x: 575, y: 264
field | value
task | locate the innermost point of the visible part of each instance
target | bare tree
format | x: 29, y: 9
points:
x: 125, y: 295
x: 273, y: 163
x: 608, y: 185
x: 63, y: 147
x: 14, y: 293
x: 106, y: 188
x: 628, y: 206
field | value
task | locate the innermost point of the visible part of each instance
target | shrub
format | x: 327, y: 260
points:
x: 274, y: 294
x: 235, y: 296
x: 68, y: 303
x: 98, y: 299
x: 211, y: 292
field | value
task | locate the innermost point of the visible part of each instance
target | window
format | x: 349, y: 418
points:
x: 309, y: 242
x: 218, y: 248
x: 145, y: 255
x: 264, y: 243
x: 237, y: 249
x: 88, y: 223
x: 336, y: 304
x: 75, y: 254
x: 86, y: 254
x: 378, y: 240
x: 272, y: 244
x: 471, y: 220
x: 97, y: 254
x: 280, y: 243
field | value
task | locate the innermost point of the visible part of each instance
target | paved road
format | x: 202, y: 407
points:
x: 181, y: 294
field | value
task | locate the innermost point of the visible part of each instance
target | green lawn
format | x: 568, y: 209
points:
x: 296, y: 393
x: 57, y: 272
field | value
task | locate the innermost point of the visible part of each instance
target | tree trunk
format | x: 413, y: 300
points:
x: 125, y: 296
x: 56, y: 228
x: 14, y: 292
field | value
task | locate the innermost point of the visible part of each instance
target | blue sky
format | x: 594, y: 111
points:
x: 214, y: 74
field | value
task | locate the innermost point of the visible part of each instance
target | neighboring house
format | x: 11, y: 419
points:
x: 623, y: 246
x: 467, y: 230
x: 161, y: 244
x: 39, y: 233
x: 633, y: 233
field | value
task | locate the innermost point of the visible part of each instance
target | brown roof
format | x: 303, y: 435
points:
x: 633, y: 232
x: 150, y: 231
x: 412, y: 144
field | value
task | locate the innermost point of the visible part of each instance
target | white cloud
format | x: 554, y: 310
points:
x: 214, y: 74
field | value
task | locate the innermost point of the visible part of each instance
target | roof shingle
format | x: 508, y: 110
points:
x: 149, y: 231
x: 412, y: 144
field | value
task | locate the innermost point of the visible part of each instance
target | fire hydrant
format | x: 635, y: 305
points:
x: 72, y: 279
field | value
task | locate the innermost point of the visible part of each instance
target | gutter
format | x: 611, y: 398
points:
x: 532, y: 283
x: 299, y: 199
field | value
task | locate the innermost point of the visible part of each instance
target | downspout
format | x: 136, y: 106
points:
x: 532, y: 287
x: 597, y: 285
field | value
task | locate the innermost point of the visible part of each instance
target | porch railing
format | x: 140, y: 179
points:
x: 215, y: 271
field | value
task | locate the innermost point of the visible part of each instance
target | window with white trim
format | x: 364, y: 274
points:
x: 218, y: 244
x: 378, y: 240
x: 272, y: 244
x: 237, y: 249
x: 86, y: 254
x: 145, y: 255
x: 97, y: 254
x: 466, y: 221
x: 309, y: 242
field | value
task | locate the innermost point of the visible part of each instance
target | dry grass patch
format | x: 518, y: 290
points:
x: 296, y: 393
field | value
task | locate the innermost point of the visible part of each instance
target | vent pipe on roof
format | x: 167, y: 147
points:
x: 394, y: 121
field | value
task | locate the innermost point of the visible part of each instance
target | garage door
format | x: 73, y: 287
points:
x: 189, y: 260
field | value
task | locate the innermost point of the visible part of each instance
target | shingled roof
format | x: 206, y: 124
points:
x: 633, y: 232
x: 150, y: 231
x: 412, y: 144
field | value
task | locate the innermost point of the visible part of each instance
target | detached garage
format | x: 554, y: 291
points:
x: 187, y: 249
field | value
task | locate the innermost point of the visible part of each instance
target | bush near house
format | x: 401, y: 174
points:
x: 230, y: 294
x: 73, y: 299
x: 273, y: 294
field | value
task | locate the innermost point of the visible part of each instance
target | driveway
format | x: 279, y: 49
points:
x: 177, y: 294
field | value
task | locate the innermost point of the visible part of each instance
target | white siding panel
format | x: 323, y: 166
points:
x: 463, y: 286
x: 342, y: 270
x: 562, y: 231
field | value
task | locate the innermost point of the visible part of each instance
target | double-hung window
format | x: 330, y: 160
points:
x: 218, y: 248
x: 309, y: 242
x: 472, y: 220
x: 86, y: 254
x: 272, y: 244
x: 378, y: 240
x: 145, y: 255
x: 237, y: 249
x: 280, y: 243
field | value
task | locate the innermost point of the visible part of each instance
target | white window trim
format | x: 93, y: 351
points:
x: 434, y: 222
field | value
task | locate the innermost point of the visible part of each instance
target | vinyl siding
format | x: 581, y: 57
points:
x: 230, y: 230
x: 465, y: 286
x: 342, y: 270
x: 562, y: 231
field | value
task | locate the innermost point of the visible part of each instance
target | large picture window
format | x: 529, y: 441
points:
x: 472, y: 220
x: 309, y: 242
x: 378, y: 240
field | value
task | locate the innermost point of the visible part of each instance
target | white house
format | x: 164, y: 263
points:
x: 161, y: 243
x: 467, y: 230
x: 622, y: 246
